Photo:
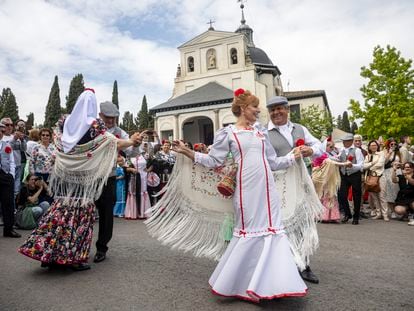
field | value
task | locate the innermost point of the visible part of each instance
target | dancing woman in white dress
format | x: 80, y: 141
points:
x: 258, y: 263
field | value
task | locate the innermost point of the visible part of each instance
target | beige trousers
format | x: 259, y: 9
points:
x: 377, y: 200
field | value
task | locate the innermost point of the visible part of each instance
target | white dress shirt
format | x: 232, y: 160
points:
x: 310, y: 141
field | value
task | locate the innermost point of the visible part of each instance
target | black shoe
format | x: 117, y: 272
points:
x: 99, y: 256
x: 355, y: 222
x: 44, y: 264
x: 345, y: 219
x: 11, y: 234
x: 309, y: 276
x: 80, y: 267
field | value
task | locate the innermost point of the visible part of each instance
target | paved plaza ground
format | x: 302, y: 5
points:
x: 365, y: 267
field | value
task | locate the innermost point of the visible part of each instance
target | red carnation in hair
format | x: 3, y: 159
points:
x: 8, y: 149
x: 329, y: 138
x: 350, y: 158
x: 238, y: 92
x: 300, y: 142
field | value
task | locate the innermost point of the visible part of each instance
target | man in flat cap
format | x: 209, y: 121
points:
x: 284, y: 135
x: 105, y: 204
x: 350, y: 177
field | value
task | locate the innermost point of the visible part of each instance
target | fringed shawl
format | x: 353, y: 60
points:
x: 81, y: 174
x: 326, y: 179
x: 193, y: 216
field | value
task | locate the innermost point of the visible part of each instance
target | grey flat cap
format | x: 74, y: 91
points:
x: 109, y: 109
x: 347, y: 136
x: 277, y: 100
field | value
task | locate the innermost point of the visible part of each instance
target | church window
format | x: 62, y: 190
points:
x: 233, y: 56
x: 190, y: 64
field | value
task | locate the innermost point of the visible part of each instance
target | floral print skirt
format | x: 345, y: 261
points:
x: 64, y: 234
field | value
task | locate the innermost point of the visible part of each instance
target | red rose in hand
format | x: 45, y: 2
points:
x: 350, y: 158
x: 300, y: 142
x: 238, y: 92
x: 8, y: 149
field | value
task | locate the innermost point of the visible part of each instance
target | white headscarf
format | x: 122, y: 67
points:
x: 80, y: 120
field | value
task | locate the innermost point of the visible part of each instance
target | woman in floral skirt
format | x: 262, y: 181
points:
x: 85, y: 155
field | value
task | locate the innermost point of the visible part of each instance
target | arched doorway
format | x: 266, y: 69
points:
x: 198, y: 130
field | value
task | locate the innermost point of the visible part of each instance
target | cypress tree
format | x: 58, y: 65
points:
x: 53, y: 109
x: 30, y: 121
x: 142, y: 119
x: 76, y: 88
x: 339, y: 122
x: 10, y: 109
x: 354, y: 127
x: 346, y: 126
x: 115, y: 100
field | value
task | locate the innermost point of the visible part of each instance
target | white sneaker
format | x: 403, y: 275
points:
x: 411, y: 222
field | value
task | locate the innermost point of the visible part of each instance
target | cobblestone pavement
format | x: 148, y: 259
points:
x: 365, y: 267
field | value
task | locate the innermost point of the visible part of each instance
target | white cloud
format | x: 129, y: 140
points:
x: 316, y: 44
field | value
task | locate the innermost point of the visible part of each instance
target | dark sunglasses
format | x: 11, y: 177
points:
x: 45, y: 135
x: 9, y: 124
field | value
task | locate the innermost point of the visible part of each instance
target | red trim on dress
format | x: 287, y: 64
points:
x: 258, y: 297
x: 240, y: 179
x: 267, y: 188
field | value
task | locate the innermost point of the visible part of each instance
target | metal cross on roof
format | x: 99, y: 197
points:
x: 211, y: 22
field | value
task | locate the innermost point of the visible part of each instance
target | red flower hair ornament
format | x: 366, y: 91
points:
x: 238, y: 92
x: 8, y: 149
x: 300, y: 142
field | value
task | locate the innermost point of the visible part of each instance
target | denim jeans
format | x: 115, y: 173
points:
x: 39, y: 210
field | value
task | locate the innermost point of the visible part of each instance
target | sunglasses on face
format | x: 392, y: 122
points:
x: 9, y: 124
x: 45, y: 135
x: 393, y: 145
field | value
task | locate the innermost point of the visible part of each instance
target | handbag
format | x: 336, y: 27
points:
x: 227, y: 185
x: 152, y: 179
x: 24, y: 218
x: 372, y: 182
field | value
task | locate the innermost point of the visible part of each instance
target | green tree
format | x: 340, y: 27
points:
x: 318, y: 122
x: 75, y: 89
x: 115, y: 100
x: 30, y: 121
x: 9, y: 105
x: 53, y: 109
x: 128, y: 124
x: 388, y: 108
x: 144, y: 120
x: 346, y: 126
x: 339, y: 122
x: 354, y: 128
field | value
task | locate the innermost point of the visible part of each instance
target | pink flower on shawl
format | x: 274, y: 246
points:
x: 319, y: 160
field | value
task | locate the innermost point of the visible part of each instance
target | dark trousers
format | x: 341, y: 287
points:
x: 7, y: 199
x: 105, y: 205
x: 354, y: 181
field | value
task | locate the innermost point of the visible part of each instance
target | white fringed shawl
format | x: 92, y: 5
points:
x: 81, y: 174
x: 192, y: 216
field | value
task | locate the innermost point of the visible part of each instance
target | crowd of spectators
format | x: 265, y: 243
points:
x: 141, y: 177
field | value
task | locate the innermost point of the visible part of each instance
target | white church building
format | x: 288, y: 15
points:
x: 213, y: 65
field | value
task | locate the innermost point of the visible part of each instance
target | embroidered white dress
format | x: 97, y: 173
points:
x: 258, y: 263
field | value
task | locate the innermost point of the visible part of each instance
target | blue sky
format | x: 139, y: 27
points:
x: 317, y: 44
